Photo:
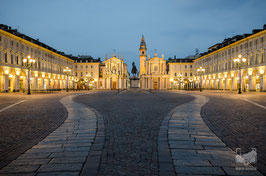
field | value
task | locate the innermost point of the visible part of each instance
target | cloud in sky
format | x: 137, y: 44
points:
x: 96, y: 27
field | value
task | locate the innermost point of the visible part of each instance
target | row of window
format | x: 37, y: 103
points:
x: 233, y: 50
x: 180, y: 66
x: 190, y: 74
x: 14, y: 59
x: 45, y: 55
x: 86, y: 74
x: 252, y: 60
x: 81, y: 66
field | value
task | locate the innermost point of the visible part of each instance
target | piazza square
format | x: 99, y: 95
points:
x: 125, y: 95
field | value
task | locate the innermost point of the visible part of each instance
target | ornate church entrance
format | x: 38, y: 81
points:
x: 113, y: 85
x: 155, y: 84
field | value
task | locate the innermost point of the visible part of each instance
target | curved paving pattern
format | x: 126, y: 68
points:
x: 195, y: 149
x: 25, y: 124
x: 132, y: 121
x: 239, y: 124
x: 64, y: 151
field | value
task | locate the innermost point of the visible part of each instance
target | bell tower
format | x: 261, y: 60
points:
x: 142, y: 56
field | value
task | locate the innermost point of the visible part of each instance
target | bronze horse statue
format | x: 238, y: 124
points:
x: 134, y: 70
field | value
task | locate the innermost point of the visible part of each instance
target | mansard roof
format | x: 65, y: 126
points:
x: 231, y: 40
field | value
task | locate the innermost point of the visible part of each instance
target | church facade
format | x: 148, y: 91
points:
x: 113, y: 73
x: 153, y: 71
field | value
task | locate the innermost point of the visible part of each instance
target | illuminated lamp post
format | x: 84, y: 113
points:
x: 240, y: 63
x: 29, y: 62
x: 179, y: 76
x: 200, y: 71
x: 67, y: 71
x: 88, y: 77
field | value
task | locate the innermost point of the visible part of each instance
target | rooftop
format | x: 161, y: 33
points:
x: 37, y: 42
x: 188, y: 59
x: 231, y: 40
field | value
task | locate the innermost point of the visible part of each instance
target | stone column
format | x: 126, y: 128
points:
x: 104, y: 84
x: 6, y: 83
x: 107, y: 83
x: 214, y: 84
x: 262, y: 88
x: 16, y: 87
x: 159, y: 83
x: 252, y: 83
x: 42, y: 83
x: 35, y: 83
x: 235, y: 84
x: 264, y: 83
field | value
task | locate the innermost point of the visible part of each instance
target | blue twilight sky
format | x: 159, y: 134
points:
x: 96, y: 27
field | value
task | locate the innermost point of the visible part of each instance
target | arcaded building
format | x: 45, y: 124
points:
x: 181, y: 73
x: 49, y: 66
x: 221, y: 72
x: 47, y: 71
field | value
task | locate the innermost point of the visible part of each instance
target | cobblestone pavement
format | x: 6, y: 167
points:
x: 6, y: 100
x: 64, y: 151
x: 195, y: 149
x: 132, y: 121
x: 240, y: 124
x: 27, y: 123
x: 138, y: 133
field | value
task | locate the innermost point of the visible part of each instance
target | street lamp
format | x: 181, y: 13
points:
x: 67, y: 71
x: 29, y: 62
x: 88, y: 77
x: 118, y: 81
x: 240, y: 63
x: 200, y: 71
x: 151, y: 81
x: 179, y: 76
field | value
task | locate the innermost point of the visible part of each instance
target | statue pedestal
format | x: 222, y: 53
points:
x: 134, y: 82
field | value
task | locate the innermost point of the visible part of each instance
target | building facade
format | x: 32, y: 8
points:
x: 221, y: 72
x: 181, y: 73
x: 48, y: 70
x: 86, y: 73
x: 46, y: 73
x: 158, y: 73
x: 113, y: 73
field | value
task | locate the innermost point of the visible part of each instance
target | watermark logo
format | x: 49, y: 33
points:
x: 244, y: 161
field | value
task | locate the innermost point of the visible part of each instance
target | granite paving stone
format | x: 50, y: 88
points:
x: 199, y: 170
x: 195, y: 149
x: 238, y: 123
x: 59, y: 174
x: 233, y: 171
x: 68, y: 154
x: 192, y: 162
x: 27, y: 123
x: 18, y: 174
x: 29, y: 162
x: 67, y: 160
x: 34, y: 155
x: 64, y: 151
x: 44, y: 150
x: 132, y: 124
x: 60, y: 167
x: 19, y: 169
